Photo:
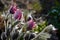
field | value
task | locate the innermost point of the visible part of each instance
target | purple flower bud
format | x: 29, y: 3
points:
x: 18, y: 14
x: 31, y: 24
x: 13, y: 9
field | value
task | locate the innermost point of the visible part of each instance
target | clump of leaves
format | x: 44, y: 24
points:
x: 41, y: 26
x: 36, y: 6
x: 54, y: 15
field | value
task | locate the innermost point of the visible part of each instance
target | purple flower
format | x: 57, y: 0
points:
x: 13, y: 8
x: 31, y: 24
x: 18, y: 14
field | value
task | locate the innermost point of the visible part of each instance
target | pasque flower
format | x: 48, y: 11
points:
x: 31, y: 24
x: 18, y: 14
x: 13, y: 8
